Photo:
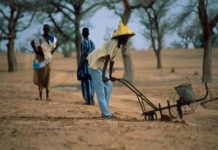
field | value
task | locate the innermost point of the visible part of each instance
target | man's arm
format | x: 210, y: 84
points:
x: 52, y: 52
x: 34, y: 48
x: 111, y: 71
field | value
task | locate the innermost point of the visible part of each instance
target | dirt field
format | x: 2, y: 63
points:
x: 65, y: 123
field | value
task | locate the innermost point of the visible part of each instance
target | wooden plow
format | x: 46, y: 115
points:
x: 150, y: 110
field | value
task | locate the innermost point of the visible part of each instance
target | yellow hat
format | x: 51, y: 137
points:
x: 123, y: 30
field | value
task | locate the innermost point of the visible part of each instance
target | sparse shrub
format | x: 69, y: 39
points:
x: 196, y: 73
x: 173, y: 70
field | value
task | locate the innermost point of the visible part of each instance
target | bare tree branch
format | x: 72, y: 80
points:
x: 95, y: 5
x: 57, y: 26
x: 3, y: 30
x: 59, y: 8
x: 116, y: 11
x: 3, y: 37
x: 62, y: 6
x: 4, y: 15
x: 143, y: 4
x: 77, y: 2
x: 214, y: 21
x: 27, y: 26
x: 18, y: 15
x: 188, y: 10
x: 28, y: 5
x: 202, y: 13
x: 111, y: 5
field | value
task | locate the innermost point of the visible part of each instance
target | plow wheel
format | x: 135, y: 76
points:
x: 189, y: 109
x: 186, y: 109
x: 172, y: 99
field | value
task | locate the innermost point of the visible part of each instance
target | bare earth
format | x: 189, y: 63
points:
x: 65, y: 123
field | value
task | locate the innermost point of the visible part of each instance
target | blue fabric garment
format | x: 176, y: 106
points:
x: 87, y: 91
x: 103, y: 91
x: 52, y: 41
x: 51, y: 38
x: 87, y: 86
x: 38, y: 65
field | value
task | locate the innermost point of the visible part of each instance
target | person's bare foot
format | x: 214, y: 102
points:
x: 48, y: 99
x: 38, y: 98
x: 179, y: 120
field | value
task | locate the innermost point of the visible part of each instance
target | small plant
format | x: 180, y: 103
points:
x: 173, y: 70
x: 196, y: 73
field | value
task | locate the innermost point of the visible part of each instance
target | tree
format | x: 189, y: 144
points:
x: 74, y: 11
x: 176, y: 44
x: 190, y: 34
x: 185, y: 36
x: 208, y: 22
x: 125, y: 14
x: 156, y: 25
x: 11, y: 17
x: 206, y: 12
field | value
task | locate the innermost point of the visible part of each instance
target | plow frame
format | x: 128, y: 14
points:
x: 152, y: 114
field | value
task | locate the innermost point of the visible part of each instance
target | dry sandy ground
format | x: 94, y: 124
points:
x: 64, y: 123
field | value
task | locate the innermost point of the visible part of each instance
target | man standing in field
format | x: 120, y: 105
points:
x: 44, y: 46
x: 98, y: 62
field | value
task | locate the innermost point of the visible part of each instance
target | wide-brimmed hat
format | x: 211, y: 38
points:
x: 122, y: 30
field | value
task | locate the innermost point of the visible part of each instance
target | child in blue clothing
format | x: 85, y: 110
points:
x: 87, y: 46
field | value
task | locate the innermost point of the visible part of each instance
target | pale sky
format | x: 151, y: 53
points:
x: 105, y: 20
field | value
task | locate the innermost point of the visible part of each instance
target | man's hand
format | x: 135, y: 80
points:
x: 105, y: 79
x: 113, y: 79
